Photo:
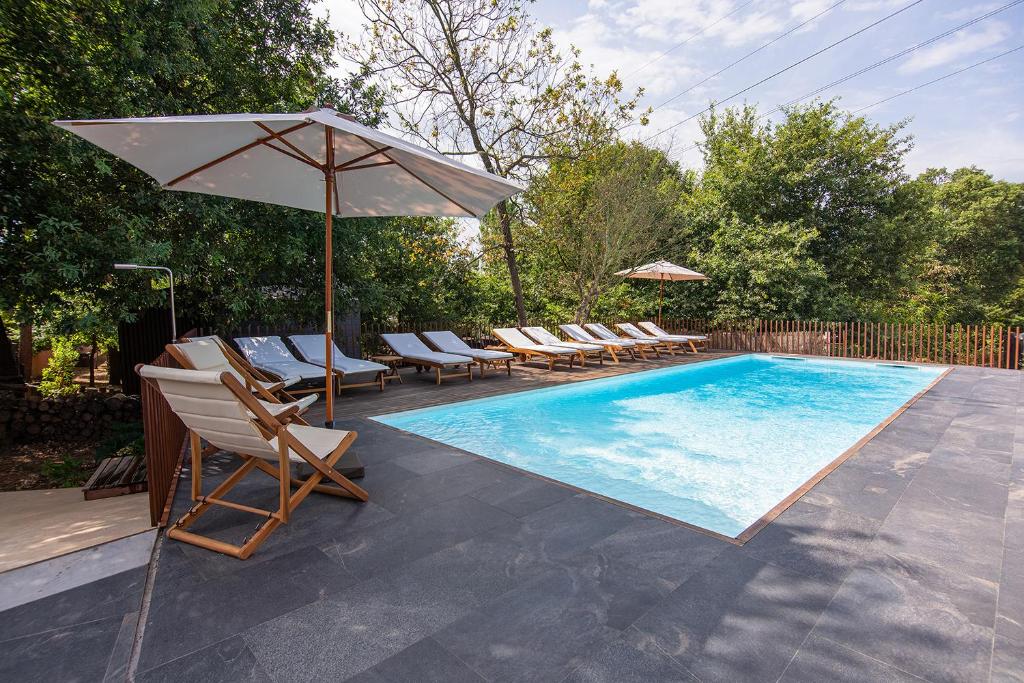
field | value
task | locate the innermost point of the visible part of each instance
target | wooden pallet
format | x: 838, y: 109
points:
x: 117, y: 476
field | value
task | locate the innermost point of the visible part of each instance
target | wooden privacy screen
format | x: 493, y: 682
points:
x: 993, y: 346
x: 165, y: 442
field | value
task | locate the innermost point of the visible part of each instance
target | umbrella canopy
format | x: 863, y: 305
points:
x: 662, y: 270
x: 320, y: 160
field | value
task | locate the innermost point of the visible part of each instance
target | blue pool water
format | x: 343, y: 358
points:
x: 716, y: 444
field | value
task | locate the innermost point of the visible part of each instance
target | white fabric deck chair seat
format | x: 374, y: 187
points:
x: 312, y: 349
x: 542, y: 336
x: 412, y: 349
x: 447, y: 341
x: 519, y: 343
x: 269, y: 354
x: 216, y: 407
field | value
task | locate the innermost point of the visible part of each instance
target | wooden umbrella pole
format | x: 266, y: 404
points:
x: 328, y: 267
x: 661, y: 299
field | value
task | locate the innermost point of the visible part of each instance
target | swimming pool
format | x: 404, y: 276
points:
x: 716, y: 444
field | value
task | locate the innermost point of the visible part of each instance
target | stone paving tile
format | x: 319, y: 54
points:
x: 432, y: 459
x: 414, y: 494
x: 981, y: 438
x: 738, y: 619
x: 818, y: 541
x: 198, y: 615
x: 927, y: 620
x: 71, y: 653
x: 523, y: 495
x: 112, y: 597
x: 857, y: 489
x: 956, y: 488
x: 228, y: 660
x: 921, y: 527
x: 424, y: 662
x: 623, y: 662
x: 406, y: 538
x: 820, y: 659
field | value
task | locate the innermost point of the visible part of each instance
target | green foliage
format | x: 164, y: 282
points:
x: 65, y: 474
x: 124, y: 438
x: 59, y: 374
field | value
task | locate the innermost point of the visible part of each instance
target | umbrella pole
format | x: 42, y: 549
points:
x: 328, y: 287
x: 661, y: 300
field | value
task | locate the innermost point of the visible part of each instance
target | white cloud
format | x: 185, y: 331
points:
x: 969, y: 12
x: 995, y: 148
x: 960, y: 44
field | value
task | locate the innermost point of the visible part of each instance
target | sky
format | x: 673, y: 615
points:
x: 668, y: 47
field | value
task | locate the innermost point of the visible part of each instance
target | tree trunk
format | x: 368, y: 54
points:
x: 510, y: 258
x: 92, y: 361
x: 25, y: 350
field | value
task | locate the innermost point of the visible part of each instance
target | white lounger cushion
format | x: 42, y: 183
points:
x: 411, y: 347
x: 270, y: 354
x: 658, y: 332
x: 209, y: 408
x: 544, y: 337
x: 516, y: 339
x: 604, y: 333
x: 578, y: 333
x: 205, y: 353
x: 311, y: 347
x: 447, y: 341
x: 635, y: 332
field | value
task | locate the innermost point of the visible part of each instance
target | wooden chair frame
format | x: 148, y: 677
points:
x: 584, y: 353
x: 422, y: 364
x: 274, y: 377
x: 703, y: 343
x: 527, y: 354
x: 270, y: 426
x: 495, y: 363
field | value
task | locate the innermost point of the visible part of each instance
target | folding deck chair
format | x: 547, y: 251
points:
x: 312, y: 348
x: 518, y: 343
x: 216, y: 407
x: 542, y: 336
x: 412, y: 350
x: 446, y: 341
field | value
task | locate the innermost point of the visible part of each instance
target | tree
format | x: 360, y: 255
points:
x: 477, y: 78
x: 606, y: 211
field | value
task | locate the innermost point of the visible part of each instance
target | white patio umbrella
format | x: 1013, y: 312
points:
x: 664, y: 271
x: 320, y: 160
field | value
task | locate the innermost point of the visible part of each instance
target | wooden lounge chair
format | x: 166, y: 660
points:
x: 518, y: 343
x: 542, y: 336
x: 412, y: 350
x: 692, y: 340
x: 312, y: 349
x: 270, y: 356
x: 212, y: 355
x: 446, y: 341
x: 603, y: 332
x: 216, y: 407
x: 633, y: 332
x: 614, y: 347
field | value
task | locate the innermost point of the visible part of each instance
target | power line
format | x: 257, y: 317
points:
x: 690, y: 37
x: 940, y: 78
x: 751, y: 54
x: 787, y: 68
x: 890, y: 58
x: 916, y: 87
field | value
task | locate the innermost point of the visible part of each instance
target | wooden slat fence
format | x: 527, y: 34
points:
x: 165, y: 441
x: 983, y: 345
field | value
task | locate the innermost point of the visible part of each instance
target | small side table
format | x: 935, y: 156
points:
x: 392, y: 362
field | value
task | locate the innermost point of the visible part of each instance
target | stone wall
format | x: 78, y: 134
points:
x: 82, y: 416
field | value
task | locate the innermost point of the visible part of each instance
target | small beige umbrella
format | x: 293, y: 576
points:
x: 662, y: 270
x: 319, y: 160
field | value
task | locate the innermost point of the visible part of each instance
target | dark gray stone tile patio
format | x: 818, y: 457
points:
x: 905, y: 563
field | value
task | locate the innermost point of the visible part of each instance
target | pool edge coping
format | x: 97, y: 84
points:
x: 757, y: 526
